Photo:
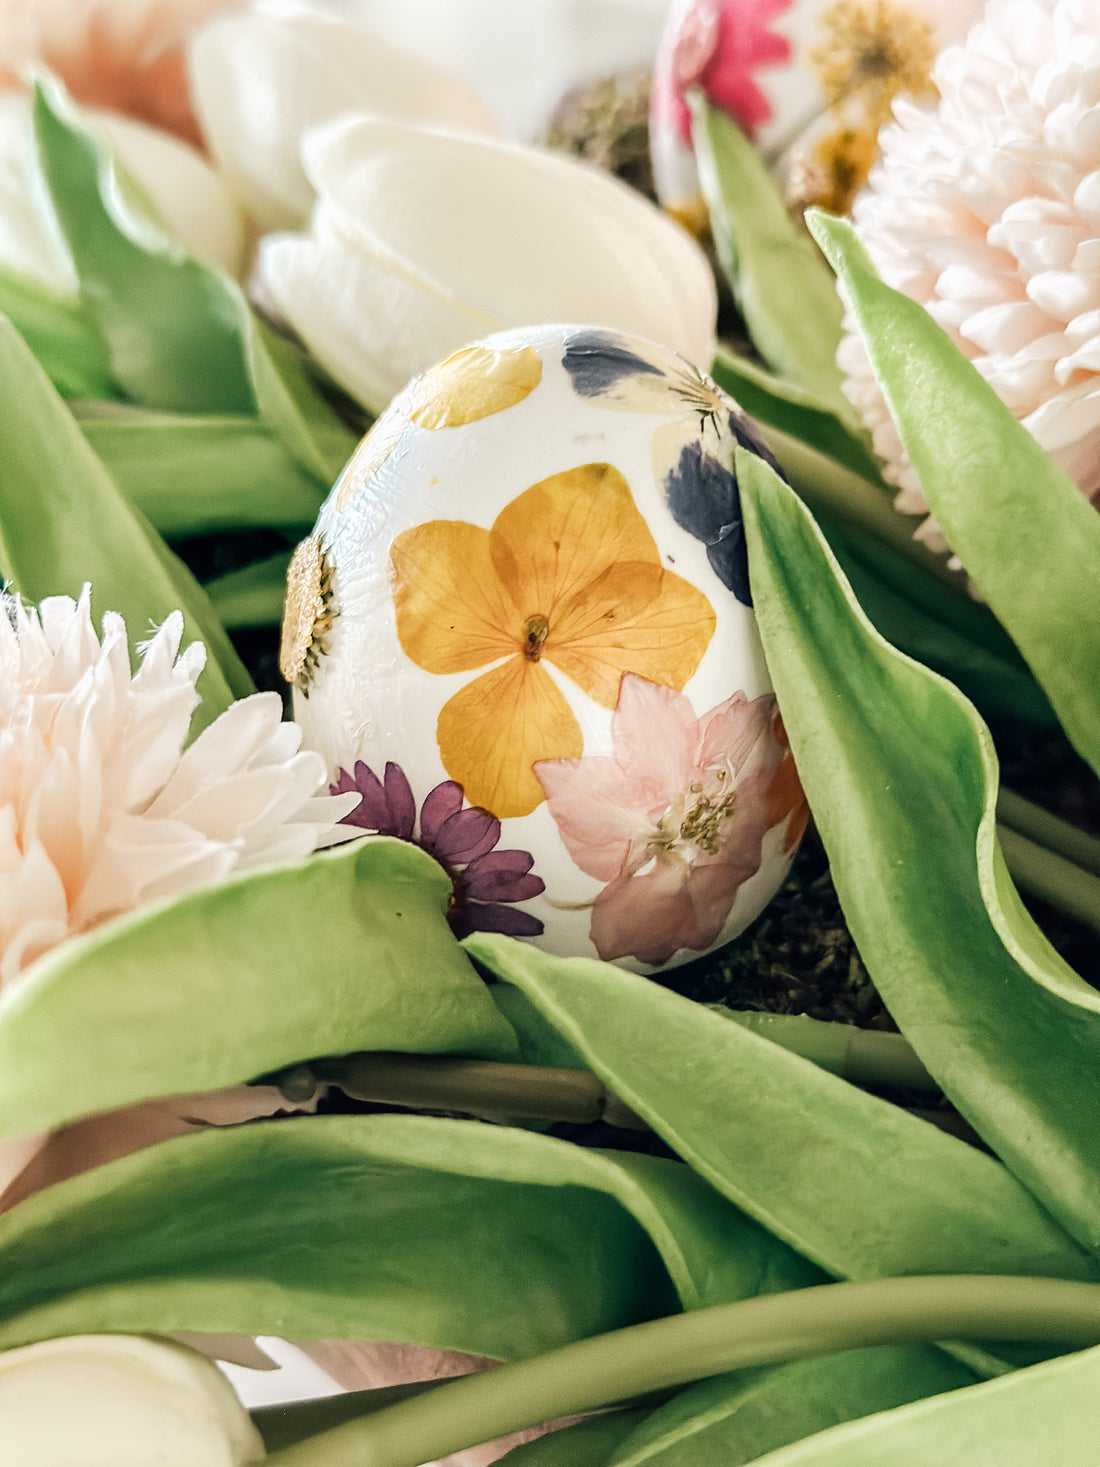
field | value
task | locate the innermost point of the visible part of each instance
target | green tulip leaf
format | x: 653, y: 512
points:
x: 252, y: 596
x: 588, y: 1444
x: 730, y: 1420
x: 779, y: 281
x: 857, y: 1185
x: 347, y: 950
x: 902, y: 779
x: 778, y: 403
x: 180, y: 335
x: 451, y: 1234
x: 196, y: 475
x: 61, y: 333
x: 410, y: 1228
x: 1045, y: 1414
x: 1030, y: 540
x: 64, y: 523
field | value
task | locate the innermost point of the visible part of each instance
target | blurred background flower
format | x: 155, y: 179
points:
x: 985, y: 209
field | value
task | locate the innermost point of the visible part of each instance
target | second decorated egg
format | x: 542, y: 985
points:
x: 522, y: 631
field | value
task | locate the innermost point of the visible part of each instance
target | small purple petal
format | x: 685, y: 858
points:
x: 502, y: 876
x: 445, y: 800
x: 400, y: 805
x: 465, y: 836
x: 491, y: 917
x: 371, y: 812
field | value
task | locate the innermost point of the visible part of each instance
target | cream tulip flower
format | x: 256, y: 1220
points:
x: 260, y: 80
x: 120, y: 1401
x: 422, y: 241
x: 184, y: 189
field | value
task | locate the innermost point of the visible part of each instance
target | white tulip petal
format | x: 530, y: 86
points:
x: 261, y: 80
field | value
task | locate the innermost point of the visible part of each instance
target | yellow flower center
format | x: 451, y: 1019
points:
x: 696, y: 821
x: 536, y: 629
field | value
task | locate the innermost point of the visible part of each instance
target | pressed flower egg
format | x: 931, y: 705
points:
x: 522, y: 632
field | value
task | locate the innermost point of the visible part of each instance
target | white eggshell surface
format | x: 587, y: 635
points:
x: 529, y: 584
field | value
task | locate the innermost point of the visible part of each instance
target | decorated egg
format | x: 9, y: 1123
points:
x: 522, y: 631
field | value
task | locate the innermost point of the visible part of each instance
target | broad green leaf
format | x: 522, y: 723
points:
x: 61, y: 333
x: 1033, y: 1418
x: 857, y: 1185
x: 937, y: 625
x: 902, y: 779
x: 194, y: 475
x: 777, y: 403
x: 180, y: 334
x: 346, y: 950
x: 253, y: 596
x: 445, y: 1233
x: 63, y: 522
x: 1025, y: 534
x: 779, y: 281
x: 588, y: 1444
x: 730, y: 1420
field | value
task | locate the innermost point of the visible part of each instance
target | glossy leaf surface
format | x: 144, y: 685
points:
x: 1030, y: 540
x: 902, y: 778
x: 347, y: 950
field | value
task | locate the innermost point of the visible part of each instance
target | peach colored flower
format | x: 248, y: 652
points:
x: 673, y: 820
x: 568, y: 575
x: 122, y: 55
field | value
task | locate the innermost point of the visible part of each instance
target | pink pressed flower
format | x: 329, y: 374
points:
x: 672, y: 821
x: 122, y: 55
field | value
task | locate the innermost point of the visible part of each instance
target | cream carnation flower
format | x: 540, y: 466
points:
x: 986, y: 210
x: 101, y: 808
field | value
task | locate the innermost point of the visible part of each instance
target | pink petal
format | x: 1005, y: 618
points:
x: 654, y: 729
x: 648, y: 916
x: 734, y: 729
x: 594, y: 805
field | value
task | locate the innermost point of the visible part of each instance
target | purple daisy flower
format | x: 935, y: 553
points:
x: 485, y: 881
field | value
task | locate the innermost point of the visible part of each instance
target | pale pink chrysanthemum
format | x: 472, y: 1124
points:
x: 101, y: 807
x: 122, y: 55
x: 986, y: 209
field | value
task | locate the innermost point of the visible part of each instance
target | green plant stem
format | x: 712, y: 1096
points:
x: 822, y: 483
x: 1042, y: 873
x: 668, y: 1352
x: 1048, y: 830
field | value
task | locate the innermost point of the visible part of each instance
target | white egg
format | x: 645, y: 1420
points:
x: 521, y: 630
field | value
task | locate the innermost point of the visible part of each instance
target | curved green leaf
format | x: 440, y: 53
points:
x: 445, y: 1233
x: 779, y: 281
x: 1033, y: 1418
x: 855, y: 1184
x: 730, y: 1420
x: 181, y: 335
x: 194, y: 475
x: 63, y: 522
x: 346, y: 950
x: 252, y: 596
x: 61, y: 333
x: 902, y: 779
x: 1025, y: 534
x: 588, y: 1444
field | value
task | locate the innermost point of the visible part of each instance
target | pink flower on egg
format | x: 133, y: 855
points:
x: 673, y: 820
x: 717, y: 45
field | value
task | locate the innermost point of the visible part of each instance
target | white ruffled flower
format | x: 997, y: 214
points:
x: 986, y: 210
x: 101, y: 808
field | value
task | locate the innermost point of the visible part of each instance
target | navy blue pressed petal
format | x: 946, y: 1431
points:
x: 704, y: 500
x: 597, y: 362
x: 749, y: 436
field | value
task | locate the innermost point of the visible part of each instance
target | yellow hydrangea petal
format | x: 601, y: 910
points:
x: 452, y: 613
x: 561, y: 534
x: 474, y: 383
x: 495, y: 728
x: 634, y: 618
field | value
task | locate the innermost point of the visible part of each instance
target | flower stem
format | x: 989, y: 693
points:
x: 1048, y: 830
x: 668, y: 1352
x: 1045, y: 874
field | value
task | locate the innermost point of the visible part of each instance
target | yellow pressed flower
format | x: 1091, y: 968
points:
x: 568, y: 575
x: 871, y: 52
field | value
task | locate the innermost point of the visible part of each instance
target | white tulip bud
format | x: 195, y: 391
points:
x: 120, y: 1401
x: 261, y: 80
x: 423, y: 241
